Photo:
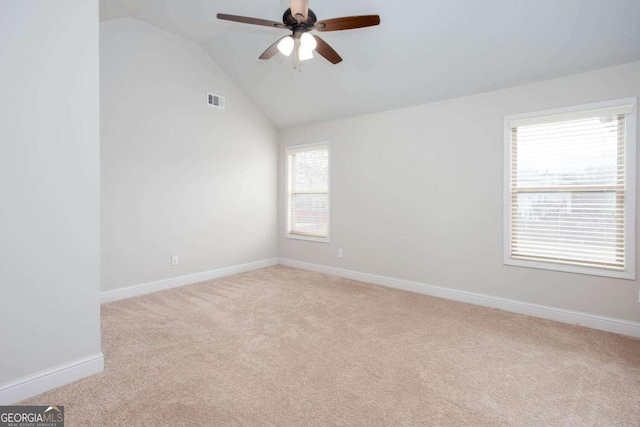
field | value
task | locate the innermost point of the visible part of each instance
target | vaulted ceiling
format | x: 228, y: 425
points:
x: 423, y: 50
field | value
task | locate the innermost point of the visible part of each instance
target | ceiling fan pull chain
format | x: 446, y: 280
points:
x: 296, y: 57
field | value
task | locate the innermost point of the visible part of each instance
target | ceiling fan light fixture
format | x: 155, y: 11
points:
x: 286, y: 45
x: 308, y: 42
x: 305, y: 54
x: 301, y: 20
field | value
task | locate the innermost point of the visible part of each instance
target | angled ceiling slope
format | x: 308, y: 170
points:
x: 423, y: 51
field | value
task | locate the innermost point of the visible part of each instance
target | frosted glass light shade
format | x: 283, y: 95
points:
x: 305, y: 54
x: 308, y: 42
x: 286, y: 45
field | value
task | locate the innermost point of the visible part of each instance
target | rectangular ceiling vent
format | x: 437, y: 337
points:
x: 214, y: 100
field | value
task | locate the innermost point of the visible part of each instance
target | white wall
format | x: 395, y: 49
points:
x: 178, y: 177
x: 417, y: 195
x: 49, y: 188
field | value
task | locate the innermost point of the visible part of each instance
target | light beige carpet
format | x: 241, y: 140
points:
x: 286, y: 347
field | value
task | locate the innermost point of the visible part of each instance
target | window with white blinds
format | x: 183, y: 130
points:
x: 308, y: 192
x: 570, y: 190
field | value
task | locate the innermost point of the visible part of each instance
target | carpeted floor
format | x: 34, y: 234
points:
x: 286, y: 347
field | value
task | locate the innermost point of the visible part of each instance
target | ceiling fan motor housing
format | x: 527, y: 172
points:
x: 299, y: 27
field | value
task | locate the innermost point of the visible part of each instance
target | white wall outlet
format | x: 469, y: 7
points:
x: 340, y: 253
x: 174, y: 260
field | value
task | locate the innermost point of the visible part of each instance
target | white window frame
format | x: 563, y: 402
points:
x: 289, y: 235
x: 630, y: 189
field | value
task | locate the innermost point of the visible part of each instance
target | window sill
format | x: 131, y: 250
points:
x: 628, y: 275
x: 308, y: 238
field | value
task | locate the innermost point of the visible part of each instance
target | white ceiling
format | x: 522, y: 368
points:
x: 423, y: 50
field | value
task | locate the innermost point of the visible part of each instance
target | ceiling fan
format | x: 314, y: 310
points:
x: 301, y: 21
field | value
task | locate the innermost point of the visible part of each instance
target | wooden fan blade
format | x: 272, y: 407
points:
x: 327, y: 51
x: 247, y: 20
x: 347, y: 23
x: 300, y: 7
x: 271, y: 50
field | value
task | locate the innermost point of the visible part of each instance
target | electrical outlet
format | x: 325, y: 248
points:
x: 174, y: 260
x: 340, y: 253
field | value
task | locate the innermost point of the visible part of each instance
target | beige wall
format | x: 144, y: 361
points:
x: 178, y: 177
x: 416, y: 194
x: 49, y: 192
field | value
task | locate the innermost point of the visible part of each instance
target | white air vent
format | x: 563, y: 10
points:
x: 214, y: 100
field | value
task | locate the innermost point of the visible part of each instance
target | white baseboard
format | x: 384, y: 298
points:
x: 147, y: 288
x: 587, y: 320
x: 49, y: 379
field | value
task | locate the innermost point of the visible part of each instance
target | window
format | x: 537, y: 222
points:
x: 308, y: 192
x: 570, y: 189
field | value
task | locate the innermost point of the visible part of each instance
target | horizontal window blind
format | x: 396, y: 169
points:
x: 567, y: 190
x: 308, y: 191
